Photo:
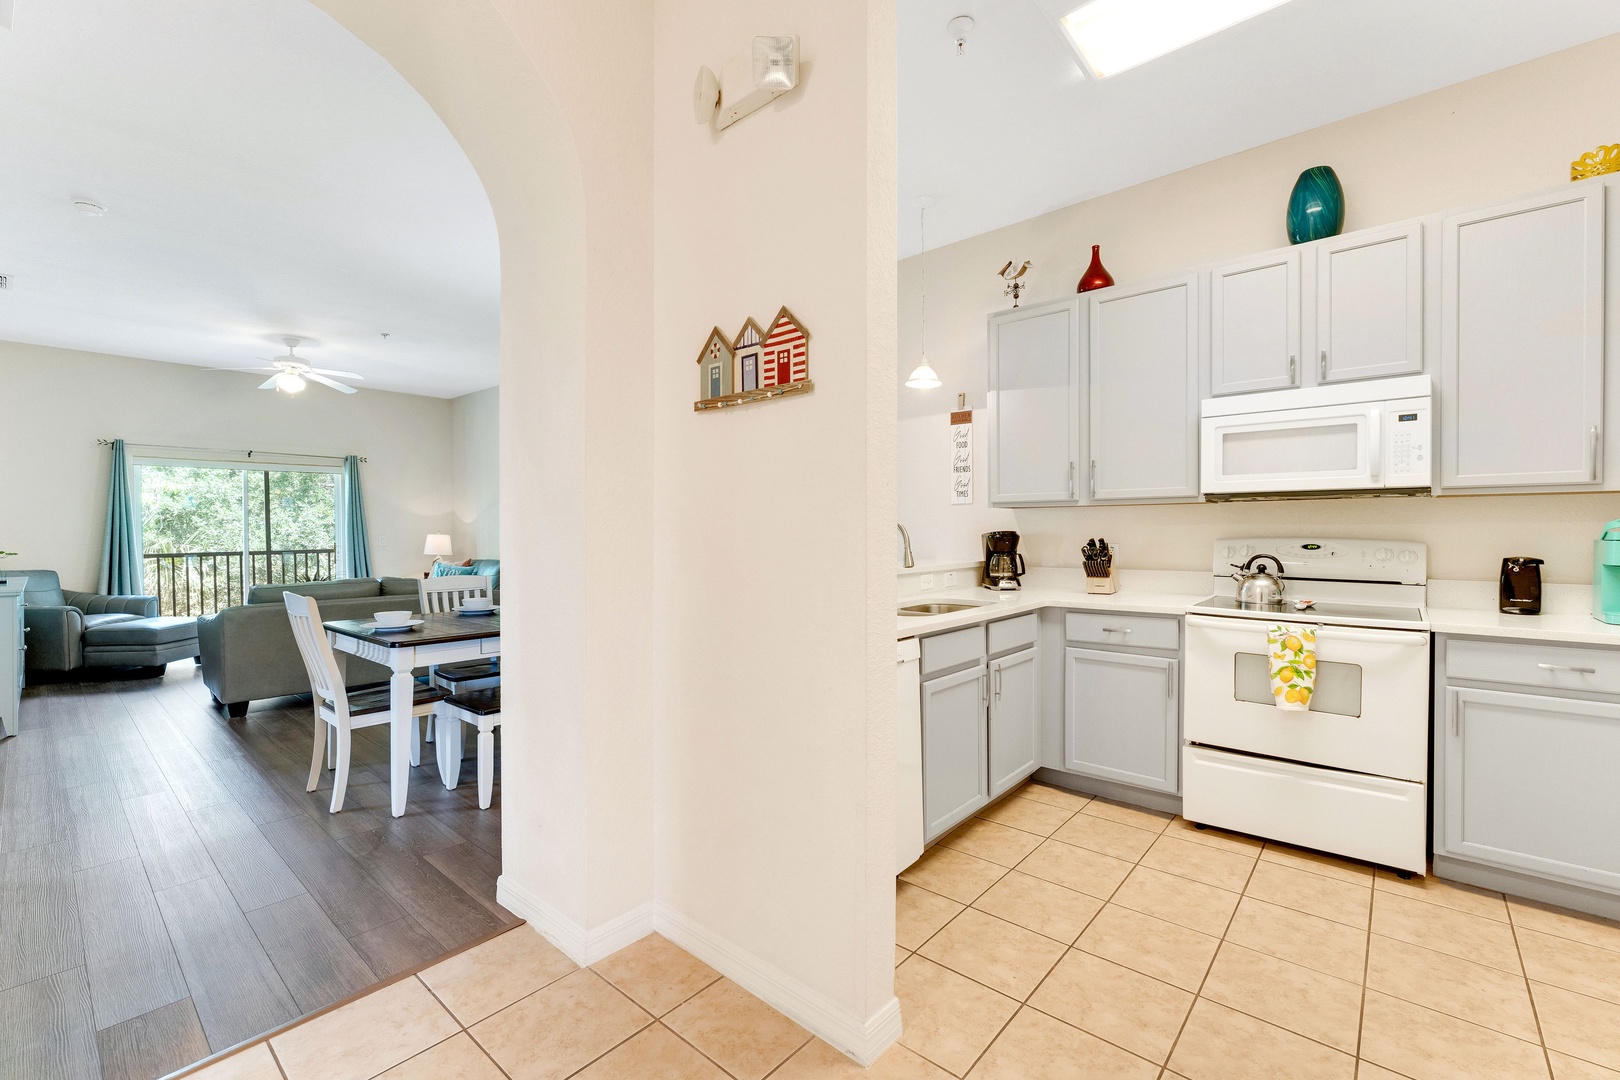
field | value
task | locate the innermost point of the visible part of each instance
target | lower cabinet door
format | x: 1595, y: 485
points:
x: 1015, y: 714
x: 956, y: 768
x: 1121, y: 718
x: 1530, y: 784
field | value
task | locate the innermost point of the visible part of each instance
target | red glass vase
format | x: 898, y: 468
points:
x: 1096, y: 276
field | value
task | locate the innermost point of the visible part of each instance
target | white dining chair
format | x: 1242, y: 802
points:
x: 481, y: 709
x: 339, y: 710
x: 440, y: 595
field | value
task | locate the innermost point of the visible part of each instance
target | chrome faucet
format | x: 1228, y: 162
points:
x: 910, y: 562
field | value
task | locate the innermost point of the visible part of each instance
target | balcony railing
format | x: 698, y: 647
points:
x: 191, y: 583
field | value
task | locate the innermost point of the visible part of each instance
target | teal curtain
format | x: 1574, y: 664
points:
x: 121, y: 546
x: 356, y: 548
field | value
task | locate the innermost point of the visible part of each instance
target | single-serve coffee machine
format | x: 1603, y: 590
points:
x: 1003, y: 566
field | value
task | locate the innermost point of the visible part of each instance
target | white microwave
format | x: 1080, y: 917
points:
x: 1369, y: 438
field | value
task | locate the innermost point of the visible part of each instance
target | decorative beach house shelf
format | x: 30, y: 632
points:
x: 758, y: 364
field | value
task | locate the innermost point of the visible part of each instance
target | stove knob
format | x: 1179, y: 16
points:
x: 1408, y: 556
x: 1384, y: 554
x: 1231, y: 552
x: 1248, y: 549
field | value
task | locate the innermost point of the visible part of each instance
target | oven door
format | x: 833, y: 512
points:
x: 1328, y: 448
x: 1369, y: 713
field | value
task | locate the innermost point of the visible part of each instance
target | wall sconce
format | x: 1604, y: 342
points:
x: 747, y: 82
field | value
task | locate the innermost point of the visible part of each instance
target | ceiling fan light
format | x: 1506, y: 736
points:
x: 922, y: 377
x: 290, y: 382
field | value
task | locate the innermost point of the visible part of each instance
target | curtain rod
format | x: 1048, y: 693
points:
x: 219, y: 450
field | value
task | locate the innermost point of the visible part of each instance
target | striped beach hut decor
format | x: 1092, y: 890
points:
x: 785, y: 357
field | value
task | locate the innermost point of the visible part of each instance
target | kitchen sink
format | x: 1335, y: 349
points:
x: 942, y: 607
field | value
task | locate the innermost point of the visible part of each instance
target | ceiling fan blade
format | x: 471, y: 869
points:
x: 337, y: 374
x: 240, y: 370
x: 324, y: 381
x: 270, y: 383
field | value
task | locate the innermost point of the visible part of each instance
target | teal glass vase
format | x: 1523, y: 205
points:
x: 1316, y: 207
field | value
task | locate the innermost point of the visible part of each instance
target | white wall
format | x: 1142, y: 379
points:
x: 1497, y: 136
x: 774, y: 522
x: 475, y: 468
x: 761, y: 769
x: 57, y: 402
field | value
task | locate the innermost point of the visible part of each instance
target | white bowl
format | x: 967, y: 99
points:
x: 477, y: 604
x: 392, y: 618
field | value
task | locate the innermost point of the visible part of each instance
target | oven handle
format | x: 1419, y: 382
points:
x: 1329, y: 633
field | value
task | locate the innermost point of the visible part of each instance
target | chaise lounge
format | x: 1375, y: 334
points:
x: 69, y: 631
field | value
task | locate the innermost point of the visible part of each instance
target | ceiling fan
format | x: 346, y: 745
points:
x: 292, y: 373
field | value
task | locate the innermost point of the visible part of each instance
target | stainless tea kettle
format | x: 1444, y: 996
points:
x: 1256, y: 588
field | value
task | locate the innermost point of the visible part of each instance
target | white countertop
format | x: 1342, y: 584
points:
x: 1143, y: 592
x: 1455, y: 607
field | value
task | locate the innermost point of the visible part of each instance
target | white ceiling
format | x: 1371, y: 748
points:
x: 264, y: 174
x: 1011, y: 129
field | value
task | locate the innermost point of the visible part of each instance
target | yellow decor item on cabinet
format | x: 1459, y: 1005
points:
x: 1605, y: 159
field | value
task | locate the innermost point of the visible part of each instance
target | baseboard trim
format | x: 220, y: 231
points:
x: 862, y: 1040
x: 583, y: 946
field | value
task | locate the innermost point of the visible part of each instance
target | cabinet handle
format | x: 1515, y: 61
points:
x: 1456, y: 724
x: 1093, y: 478
x: 1293, y: 370
x: 1321, y: 367
x: 1116, y: 630
x: 998, y: 684
x: 984, y: 690
x: 1071, y: 480
x: 1567, y: 667
x: 1597, y: 443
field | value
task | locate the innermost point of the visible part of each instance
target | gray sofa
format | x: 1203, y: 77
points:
x: 69, y: 630
x: 248, y: 652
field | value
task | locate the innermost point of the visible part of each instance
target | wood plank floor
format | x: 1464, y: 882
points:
x: 168, y: 888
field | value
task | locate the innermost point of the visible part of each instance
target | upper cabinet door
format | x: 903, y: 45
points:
x: 1254, y: 324
x: 1369, y: 304
x: 1521, y: 343
x: 1035, y: 405
x: 1144, y: 392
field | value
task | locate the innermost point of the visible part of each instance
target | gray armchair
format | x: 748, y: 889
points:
x: 57, y: 619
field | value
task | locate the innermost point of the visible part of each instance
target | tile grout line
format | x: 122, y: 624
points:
x: 1524, y: 973
x: 1366, y: 969
x: 1198, y: 995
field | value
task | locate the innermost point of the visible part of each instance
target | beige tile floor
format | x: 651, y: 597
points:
x: 515, y: 1007
x: 1060, y: 936
x: 1053, y: 936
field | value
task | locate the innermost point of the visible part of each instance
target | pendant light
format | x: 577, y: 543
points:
x: 922, y: 376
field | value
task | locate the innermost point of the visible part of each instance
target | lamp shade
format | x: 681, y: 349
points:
x: 438, y: 545
x: 922, y: 377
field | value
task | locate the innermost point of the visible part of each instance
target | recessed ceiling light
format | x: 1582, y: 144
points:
x: 89, y: 207
x: 1112, y: 36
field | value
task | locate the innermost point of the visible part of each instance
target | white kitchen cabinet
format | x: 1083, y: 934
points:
x: 908, y: 768
x: 1122, y: 718
x: 1528, y: 784
x: 1015, y: 719
x: 955, y: 744
x: 12, y: 638
x: 1369, y: 304
x: 1521, y: 344
x: 1143, y: 352
x: 1255, y: 324
x: 1035, y: 405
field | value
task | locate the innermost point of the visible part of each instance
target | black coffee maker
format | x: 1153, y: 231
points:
x: 1003, y: 566
x: 1520, y: 592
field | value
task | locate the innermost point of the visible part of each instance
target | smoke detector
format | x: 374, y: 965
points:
x: 89, y: 207
x: 960, y: 28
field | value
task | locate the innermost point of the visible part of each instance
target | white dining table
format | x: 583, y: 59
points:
x: 442, y: 638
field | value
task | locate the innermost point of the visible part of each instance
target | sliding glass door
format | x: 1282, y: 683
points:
x: 210, y: 533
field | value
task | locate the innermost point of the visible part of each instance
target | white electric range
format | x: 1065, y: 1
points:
x: 1348, y: 776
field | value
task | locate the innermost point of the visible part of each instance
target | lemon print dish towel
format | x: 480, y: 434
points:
x: 1293, y: 665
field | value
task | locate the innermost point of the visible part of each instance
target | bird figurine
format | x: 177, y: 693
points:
x: 1014, y: 286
